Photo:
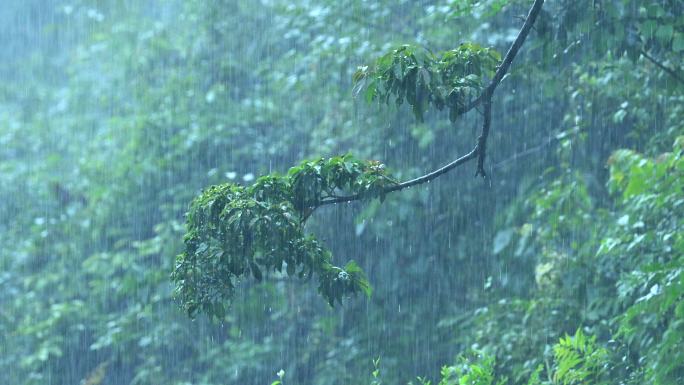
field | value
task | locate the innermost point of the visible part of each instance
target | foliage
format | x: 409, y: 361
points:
x: 113, y: 116
x: 450, y: 79
x: 578, y: 360
x: 650, y: 191
x: 234, y: 230
x: 478, y: 371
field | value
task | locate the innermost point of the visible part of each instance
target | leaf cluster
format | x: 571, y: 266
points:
x: 447, y: 80
x: 578, y: 360
x: 476, y: 371
x: 649, y: 235
x: 235, y: 231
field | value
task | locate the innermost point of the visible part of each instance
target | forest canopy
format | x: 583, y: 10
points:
x: 132, y: 132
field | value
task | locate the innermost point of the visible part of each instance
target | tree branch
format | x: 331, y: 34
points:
x: 515, y: 47
x: 482, y: 140
x: 420, y: 180
x: 510, y: 55
x: 485, y: 99
x: 660, y: 65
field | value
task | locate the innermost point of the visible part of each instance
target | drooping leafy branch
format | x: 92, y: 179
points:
x: 234, y: 231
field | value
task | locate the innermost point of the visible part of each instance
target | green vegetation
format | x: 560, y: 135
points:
x: 146, y: 153
x: 450, y: 79
x: 233, y: 230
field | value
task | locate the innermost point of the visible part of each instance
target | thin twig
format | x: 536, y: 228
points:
x: 524, y: 153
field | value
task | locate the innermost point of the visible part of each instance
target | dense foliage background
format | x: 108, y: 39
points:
x: 565, y: 267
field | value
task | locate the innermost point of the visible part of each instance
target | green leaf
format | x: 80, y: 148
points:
x: 678, y: 42
x: 648, y: 28
x: 359, y: 86
x: 664, y: 33
x: 371, y: 91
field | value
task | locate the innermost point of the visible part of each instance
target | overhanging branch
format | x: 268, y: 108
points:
x: 484, y: 99
x: 413, y: 182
